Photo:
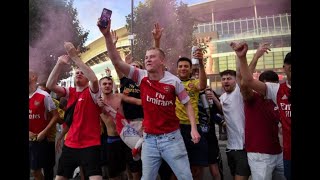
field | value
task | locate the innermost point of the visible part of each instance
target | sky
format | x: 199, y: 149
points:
x: 90, y: 10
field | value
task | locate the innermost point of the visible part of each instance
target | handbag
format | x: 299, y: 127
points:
x: 68, y: 114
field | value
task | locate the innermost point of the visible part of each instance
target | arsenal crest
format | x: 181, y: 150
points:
x: 166, y: 88
x: 36, y: 103
x: 190, y: 85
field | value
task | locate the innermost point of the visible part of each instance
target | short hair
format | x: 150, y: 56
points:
x: 269, y: 76
x: 105, y: 77
x: 138, y: 63
x: 287, y: 59
x: 184, y: 59
x: 159, y: 50
x: 228, y: 72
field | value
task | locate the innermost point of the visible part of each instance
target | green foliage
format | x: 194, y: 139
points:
x: 204, y: 47
x: 51, y: 22
x: 38, y: 15
x: 34, y: 19
x: 178, y: 25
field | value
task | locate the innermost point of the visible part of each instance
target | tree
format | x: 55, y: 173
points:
x: 178, y: 26
x: 50, y: 24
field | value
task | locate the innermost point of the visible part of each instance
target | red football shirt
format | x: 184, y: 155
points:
x: 85, y: 129
x: 158, y: 101
x: 261, y: 125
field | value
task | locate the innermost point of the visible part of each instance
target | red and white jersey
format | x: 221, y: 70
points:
x: 85, y: 129
x: 158, y: 100
x: 280, y: 93
x: 40, y: 103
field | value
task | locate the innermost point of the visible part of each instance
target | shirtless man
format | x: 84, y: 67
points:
x: 115, y: 147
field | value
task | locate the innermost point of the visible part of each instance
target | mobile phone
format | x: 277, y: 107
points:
x: 105, y: 17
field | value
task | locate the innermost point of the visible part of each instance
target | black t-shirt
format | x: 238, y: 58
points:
x: 130, y: 88
x: 203, y: 116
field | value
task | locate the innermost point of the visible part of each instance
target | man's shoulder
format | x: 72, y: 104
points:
x: 40, y: 91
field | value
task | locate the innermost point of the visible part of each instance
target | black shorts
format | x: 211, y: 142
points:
x: 134, y: 166
x: 88, y: 158
x: 197, y: 153
x: 41, y: 154
x: 116, y: 156
x: 104, y: 152
x: 238, y: 162
x: 213, y: 146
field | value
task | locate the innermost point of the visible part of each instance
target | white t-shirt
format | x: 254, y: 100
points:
x: 232, y: 107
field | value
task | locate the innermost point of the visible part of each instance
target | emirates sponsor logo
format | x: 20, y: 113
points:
x: 286, y: 108
x: 33, y: 116
x: 159, y: 100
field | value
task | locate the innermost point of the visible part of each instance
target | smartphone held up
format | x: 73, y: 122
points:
x: 105, y: 17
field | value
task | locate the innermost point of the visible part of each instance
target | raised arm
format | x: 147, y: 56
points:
x: 115, y: 40
x: 263, y: 48
x: 87, y: 71
x: 241, y: 50
x: 128, y: 59
x: 238, y: 73
x: 112, y: 51
x: 54, y: 75
x: 202, y: 74
x: 216, y: 101
x: 156, y: 33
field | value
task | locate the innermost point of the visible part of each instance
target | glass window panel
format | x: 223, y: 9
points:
x: 207, y: 28
x: 278, y: 59
x: 277, y: 23
x: 263, y: 25
x: 250, y: 26
x: 244, y: 26
x: 201, y: 29
x: 249, y: 58
x: 284, y: 23
x: 268, y: 61
x: 237, y: 27
x: 231, y: 62
x: 225, y: 28
x: 219, y: 29
x: 222, y: 64
x: 270, y: 24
